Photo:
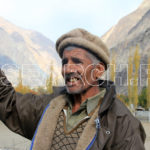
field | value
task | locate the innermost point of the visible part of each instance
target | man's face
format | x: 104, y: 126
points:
x: 77, y: 70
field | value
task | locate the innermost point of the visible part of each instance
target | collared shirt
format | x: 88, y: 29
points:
x: 86, y: 108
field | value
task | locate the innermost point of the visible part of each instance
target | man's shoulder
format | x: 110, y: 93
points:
x: 124, y: 126
x: 120, y: 110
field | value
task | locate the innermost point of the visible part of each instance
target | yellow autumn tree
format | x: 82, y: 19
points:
x: 148, y: 84
x: 56, y: 81
x: 49, y: 81
x: 130, y: 73
x: 113, y: 67
x: 21, y: 88
x: 136, y: 61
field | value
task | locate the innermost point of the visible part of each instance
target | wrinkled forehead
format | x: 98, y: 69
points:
x: 77, y: 48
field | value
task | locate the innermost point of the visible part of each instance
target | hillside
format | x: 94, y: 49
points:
x: 120, y: 31
x: 131, y: 31
x: 27, y: 50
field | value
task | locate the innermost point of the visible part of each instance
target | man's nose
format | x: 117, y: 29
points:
x: 69, y: 68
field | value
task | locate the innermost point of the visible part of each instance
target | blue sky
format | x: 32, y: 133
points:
x: 55, y: 17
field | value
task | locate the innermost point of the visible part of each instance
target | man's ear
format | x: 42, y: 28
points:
x: 99, y: 70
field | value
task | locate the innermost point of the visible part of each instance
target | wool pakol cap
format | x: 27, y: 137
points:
x: 83, y: 39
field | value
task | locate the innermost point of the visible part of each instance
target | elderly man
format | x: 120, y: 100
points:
x: 86, y: 115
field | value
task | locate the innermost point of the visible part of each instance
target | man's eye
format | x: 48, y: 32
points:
x: 77, y: 61
x: 64, y: 61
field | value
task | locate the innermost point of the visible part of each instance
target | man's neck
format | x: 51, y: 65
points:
x: 80, y: 98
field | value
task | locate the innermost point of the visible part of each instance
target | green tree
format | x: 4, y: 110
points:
x: 143, y: 98
x: 148, y: 84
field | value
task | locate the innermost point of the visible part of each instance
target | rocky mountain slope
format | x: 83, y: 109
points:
x: 27, y: 50
x: 120, y: 31
x: 132, y: 30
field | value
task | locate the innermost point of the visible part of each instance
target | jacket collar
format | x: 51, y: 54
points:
x: 108, y: 97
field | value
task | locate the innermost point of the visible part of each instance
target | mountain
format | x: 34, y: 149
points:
x: 27, y: 50
x: 130, y: 31
x: 120, y: 31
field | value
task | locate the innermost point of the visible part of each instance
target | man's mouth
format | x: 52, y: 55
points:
x: 72, y: 80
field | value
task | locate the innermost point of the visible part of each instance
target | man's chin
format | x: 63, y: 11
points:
x: 74, y: 91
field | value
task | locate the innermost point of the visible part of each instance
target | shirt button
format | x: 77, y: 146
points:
x: 108, y: 132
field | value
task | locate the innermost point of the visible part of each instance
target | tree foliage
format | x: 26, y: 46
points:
x: 130, y: 73
x: 136, y: 61
x: 148, y: 84
x: 143, y: 98
x: 49, y: 81
x: 22, y: 88
x: 124, y: 99
x: 113, y: 67
x: 41, y: 90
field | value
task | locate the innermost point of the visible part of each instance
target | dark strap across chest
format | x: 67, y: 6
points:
x: 66, y: 141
